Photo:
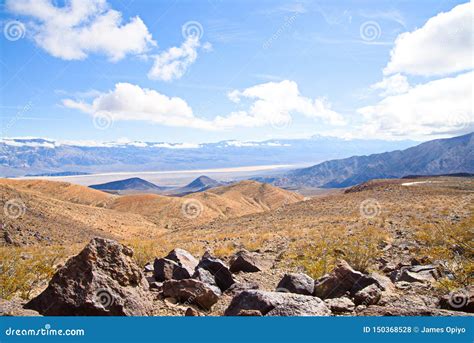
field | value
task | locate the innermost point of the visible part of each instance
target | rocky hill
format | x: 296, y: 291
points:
x: 442, y: 156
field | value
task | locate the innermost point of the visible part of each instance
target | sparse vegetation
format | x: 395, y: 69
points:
x: 321, y: 249
x: 452, y: 245
x: 22, y: 270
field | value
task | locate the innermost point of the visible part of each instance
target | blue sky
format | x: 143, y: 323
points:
x: 243, y: 70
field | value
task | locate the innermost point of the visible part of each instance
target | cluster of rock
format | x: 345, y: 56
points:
x: 104, y: 280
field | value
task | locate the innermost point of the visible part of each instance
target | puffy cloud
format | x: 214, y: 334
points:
x: 274, y: 103
x: 442, y: 46
x: 173, y: 63
x: 395, y: 84
x: 441, y: 106
x: 271, y: 104
x: 82, y: 27
x: 131, y: 102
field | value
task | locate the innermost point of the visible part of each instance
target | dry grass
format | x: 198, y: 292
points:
x: 452, y: 245
x: 23, y: 270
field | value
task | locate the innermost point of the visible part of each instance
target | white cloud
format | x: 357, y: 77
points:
x: 442, y: 46
x: 177, y: 145
x: 82, y: 27
x: 271, y: 103
x: 173, y: 63
x: 437, y: 107
x: 131, y: 102
x: 274, y: 103
x: 395, y: 84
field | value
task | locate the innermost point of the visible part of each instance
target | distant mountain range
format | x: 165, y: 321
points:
x: 437, y: 157
x: 137, y: 185
x: 21, y: 156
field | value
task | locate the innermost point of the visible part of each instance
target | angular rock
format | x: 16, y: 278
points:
x: 241, y: 286
x: 205, y: 276
x: 298, y: 283
x: 460, y: 300
x: 190, y: 291
x: 148, y: 267
x: 102, y: 280
x: 277, y: 304
x: 369, y: 295
x: 343, y: 279
x: 340, y: 305
x: 418, y: 273
x: 185, y: 259
x: 218, y: 269
x: 248, y: 262
x: 177, y: 265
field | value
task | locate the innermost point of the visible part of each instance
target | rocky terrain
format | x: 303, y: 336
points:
x: 386, y: 247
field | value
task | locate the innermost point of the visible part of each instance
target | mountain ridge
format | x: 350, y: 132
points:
x: 440, y: 156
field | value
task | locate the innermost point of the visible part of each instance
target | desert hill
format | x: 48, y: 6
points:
x: 223, y: 202
x: 38, y: 211
x: 61, y: 191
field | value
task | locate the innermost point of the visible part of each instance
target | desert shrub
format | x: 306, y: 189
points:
x: 224, y: 250
x: 22, y: 270
x: 320, y: 250
x: 452, y: 246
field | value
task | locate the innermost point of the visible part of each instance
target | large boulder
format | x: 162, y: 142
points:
x: 177, y: 265
x: 248, y: 262
x: 190, y: 291
x: 102, y: 280
x: 277, y: 304
x: 460, y: 300
x: 342, y: 280
x: 218, y: 269
x: 298, y: 283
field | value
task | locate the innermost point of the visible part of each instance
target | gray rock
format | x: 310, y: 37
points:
x: 204, y: 276
x: 340, y: 305
x: 248, y: 262
x: 218, y: 269
x: 241, y: 286
x: 418, y: 273
x: 15, y: 308
x: 342, y: 280
x: 277, y: 304
x: 298, y: 283
x: 177, y: 265
x: 369, y: 295
x: 102, y: 280
x: 190, y: 291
